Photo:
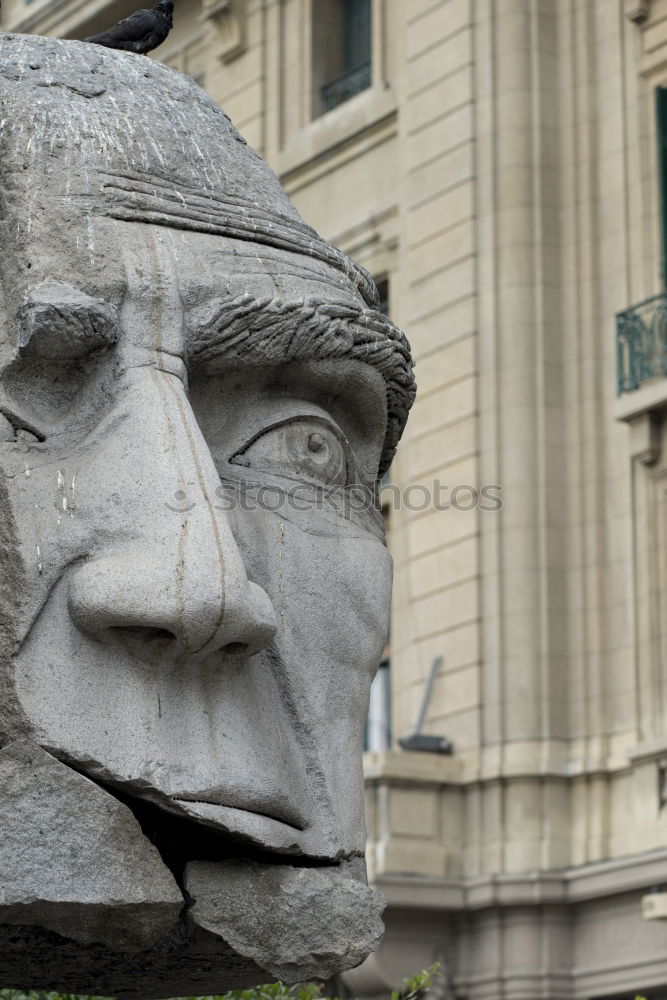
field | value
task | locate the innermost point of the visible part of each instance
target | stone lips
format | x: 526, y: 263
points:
x: 90, y: 132
x: 87, y: 904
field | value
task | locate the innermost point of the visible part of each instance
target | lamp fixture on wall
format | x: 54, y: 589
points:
x: 424, y: 742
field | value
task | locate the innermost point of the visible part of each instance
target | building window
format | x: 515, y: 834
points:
x: 641, y: 329
x: 378, y: 724
x: 661, y: 123
x: 383, y: 294
x: 342, y: 41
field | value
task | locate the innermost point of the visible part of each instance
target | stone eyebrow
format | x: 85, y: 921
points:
x: 294, y: 330
x: 249, y: 330
x: 60, y: 321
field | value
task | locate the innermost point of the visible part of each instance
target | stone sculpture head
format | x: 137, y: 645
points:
x: 196, y: 392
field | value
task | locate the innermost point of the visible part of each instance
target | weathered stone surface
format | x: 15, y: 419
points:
x: 297, y: 923
x: 188, y: 962
x: 195, y: 391
x: 74, y: 860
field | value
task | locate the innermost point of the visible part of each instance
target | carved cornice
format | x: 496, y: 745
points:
x: 568, y: 886
x: 228, y: 18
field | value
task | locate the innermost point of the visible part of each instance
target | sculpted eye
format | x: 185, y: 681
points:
x: 303, y: 448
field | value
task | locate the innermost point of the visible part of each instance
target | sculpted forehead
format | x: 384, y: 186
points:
x: 229, y: 266
x: 97, y: 252
x: 182, y: 280
x: 119, y: 175
x: 218, y: 302
x: 87, y: 132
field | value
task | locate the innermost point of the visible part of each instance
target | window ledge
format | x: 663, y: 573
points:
x: 650, y: 396
x: 416, y: 768
x: 336, y: 127
x: 650, y: 750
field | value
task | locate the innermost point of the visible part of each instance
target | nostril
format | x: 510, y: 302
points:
x: 141, y: 632
x: 236, y: 649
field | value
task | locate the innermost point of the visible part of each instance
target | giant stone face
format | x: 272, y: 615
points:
x: 197, y: 396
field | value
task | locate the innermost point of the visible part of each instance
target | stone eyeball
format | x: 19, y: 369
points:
x: 303, y: 449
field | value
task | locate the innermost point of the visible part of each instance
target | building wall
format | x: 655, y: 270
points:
x: 501, y: 173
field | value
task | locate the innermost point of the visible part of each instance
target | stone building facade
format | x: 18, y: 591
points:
x: 499, y: 166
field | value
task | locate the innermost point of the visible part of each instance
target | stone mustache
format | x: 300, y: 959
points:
x: 185, y: 651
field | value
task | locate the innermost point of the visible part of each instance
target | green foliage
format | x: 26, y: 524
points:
x: 413, y: 988
x: 43, y: 995
x: 272, y: 991
x: 416, y: 986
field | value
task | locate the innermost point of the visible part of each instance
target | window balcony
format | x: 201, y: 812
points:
x: 641, y: 367
x: 346, y: 87
x: 641, y: 343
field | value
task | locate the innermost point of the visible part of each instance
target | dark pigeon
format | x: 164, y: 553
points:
x: 142, y: 31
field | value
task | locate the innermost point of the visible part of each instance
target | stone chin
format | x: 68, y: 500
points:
x: 114, y: 892
x: 253, y: 906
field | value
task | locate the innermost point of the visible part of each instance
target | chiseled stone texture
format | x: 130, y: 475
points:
x: 294, y: 922
x: 73, y: 858
x: 187, y: 962
x: 176, y: 341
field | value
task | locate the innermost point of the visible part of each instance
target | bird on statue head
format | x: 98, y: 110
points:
x: 141, y: 32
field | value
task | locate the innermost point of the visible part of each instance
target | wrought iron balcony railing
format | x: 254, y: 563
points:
x: 641, y: 343
x: 347, y: 86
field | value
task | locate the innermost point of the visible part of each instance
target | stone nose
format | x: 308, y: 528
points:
x: 170, y: 571
x: 127, y: 591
